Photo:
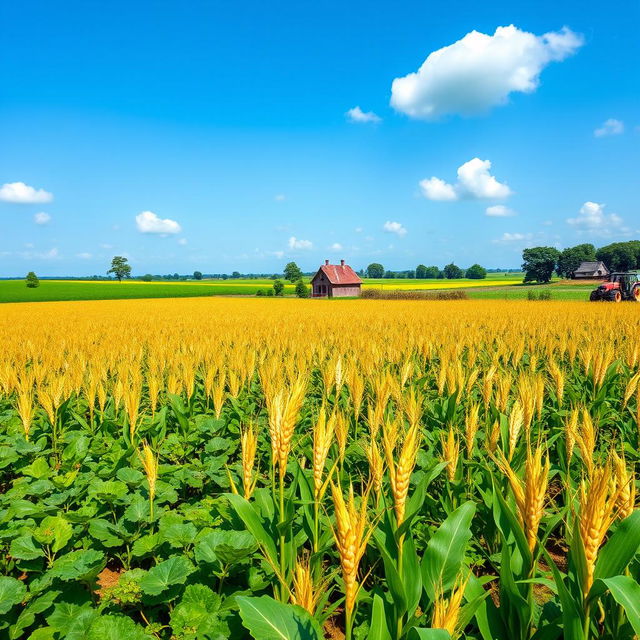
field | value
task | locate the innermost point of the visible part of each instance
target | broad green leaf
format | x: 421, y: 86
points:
x: 268, y: 619
x: 105, y: 532
x: 626, y: 592
x: 115, y: 628
x: 394, y: 580
x: 173, y: 571
x: 572, y: 615
x: 145, y: 545
x: 37, y: 469
x: 179, y: 534
x: 445, y: 550
x: 429, y: 634
x: 228, y: 547
x: 12, y: 592
x: 78, y: 565
x: 196, y: 613
x: 620, y: 549
x: 251, y: 520
x: 22, y: 548
x: 378, y: 626
x: 55, y: 531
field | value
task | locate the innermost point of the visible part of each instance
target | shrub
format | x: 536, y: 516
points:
x: 302, y: 291
x: 278, y: 288
x: 260, y: 292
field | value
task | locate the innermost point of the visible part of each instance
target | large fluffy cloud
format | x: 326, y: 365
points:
x: 592, y: 217
x: 149, y: 222
x: 22, y: 193
x: 475, y: 182
x: 480, y: 71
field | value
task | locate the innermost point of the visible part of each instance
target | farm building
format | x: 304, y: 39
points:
x: 335, y: 280
x: 591, y: 270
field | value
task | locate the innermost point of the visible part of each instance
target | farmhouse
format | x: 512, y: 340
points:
x: 591, y: 270
x: 335, y: 280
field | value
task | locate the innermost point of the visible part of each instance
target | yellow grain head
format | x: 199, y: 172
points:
x: 630, y: 389
x: 376, y: 465
x: 516, y: 420
x: 323, y: 432
x: 341, y: 431
x: 471, y: 427
x: 571, y: 433
x: 446, y: 611
x: 493, y: 436
x: 248, y: 444
x: 307, y: 589
x: 450, y: 452
x: 626, y: 483
x: 586, y: 440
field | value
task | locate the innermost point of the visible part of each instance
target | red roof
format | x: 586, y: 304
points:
x: 339, y: 274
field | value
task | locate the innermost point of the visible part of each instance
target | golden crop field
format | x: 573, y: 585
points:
x: 253, y: 468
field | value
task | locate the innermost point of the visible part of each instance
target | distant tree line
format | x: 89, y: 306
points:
x: 540, y: 263
x: 422, y: 272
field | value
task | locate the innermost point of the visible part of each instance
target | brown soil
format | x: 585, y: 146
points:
x: 106, y: 579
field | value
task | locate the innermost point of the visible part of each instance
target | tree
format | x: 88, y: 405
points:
x: 389, y: 275
x: 32, y: 280
x: 375, y: 270
x: 432, y: 272
x: 453, y: 272
x: 571, y: 258
x: 235, y: 274
x: 197, y: 275
x: 120, y: 268
x: 539, y: 263
x: 302, y: 291
x: 278, y: 287
x: 421, y: 272
x: 147, y: 277
x: 292, y: 272
x: 620, y: 256
x: 476, y: 272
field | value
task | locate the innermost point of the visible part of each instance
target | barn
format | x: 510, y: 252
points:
x: 335, y: 280
x: 591, y: 270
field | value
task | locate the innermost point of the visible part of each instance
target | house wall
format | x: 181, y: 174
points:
x: 320, y: 285
x: 342, y: 291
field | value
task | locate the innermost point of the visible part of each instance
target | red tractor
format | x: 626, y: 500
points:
x: 620, y: 286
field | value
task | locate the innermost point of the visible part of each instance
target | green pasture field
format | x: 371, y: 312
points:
x: 50, y: 290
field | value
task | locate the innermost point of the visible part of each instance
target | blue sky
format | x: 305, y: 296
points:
x: 218, y: 136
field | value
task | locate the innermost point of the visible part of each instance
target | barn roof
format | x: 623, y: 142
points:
x: 339, y: 273
x: 591, y: 267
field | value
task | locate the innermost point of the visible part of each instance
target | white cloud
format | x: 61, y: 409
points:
x: 277, y: 254
x: 85, y: 255
x: 394, y: 227
x: 610, y: 127
x: 42, y: 218
x: 480, y: 71
x: 358, y: 115
x: 149, y: 222
x: 499, y: 211
x: 592, y: 217
x: 475, y: 182
x: 183, y: 242
x: 295, y: 243
x: 22, y: 193
x: 508, y: 238
x: 436, y: 189
x: 106, y: 246
x: 336, y: 246
x: 358, y: 229
x: 280, y: 197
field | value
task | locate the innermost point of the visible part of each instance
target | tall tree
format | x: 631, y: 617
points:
x: 292, y: 272
x: 375, y: 270
x: 453, y: 272
x: 571, y: 258
x: 476, y: 272
x: 421, y: 272
x: 32, y: 280
x: 197, y: 275
x: 432, y: 272
x: 620, y: 256
x: 539, y: 263
x: 120, y: 268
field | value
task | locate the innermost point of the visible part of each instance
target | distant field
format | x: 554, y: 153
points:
x: 16, y: 291
x: 496, y: 287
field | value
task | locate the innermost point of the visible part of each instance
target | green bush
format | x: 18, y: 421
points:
x: 32, y: 280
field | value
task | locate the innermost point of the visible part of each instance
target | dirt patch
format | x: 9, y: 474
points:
x: 107, y: 579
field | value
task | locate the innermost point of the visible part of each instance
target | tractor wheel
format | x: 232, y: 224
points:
x: 594, y: 296
x: 617, y: 296
x: 612, y: 296
x: 635, y: 294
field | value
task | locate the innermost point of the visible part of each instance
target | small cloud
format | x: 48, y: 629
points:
x: 84, y: 255
x: 29, y: 245
x: 336, y: 246
x: 610, y: 127
x: 149, y: 222
x: 358, y: 229
x: 106, y: 246
x: 508, y: 238
x: 480, y: 71
x: 280, y: 197
x: 475, y: 182
x: 295, y: 243
x: 276, y: 254
x: 183, y: 242
x: 22, y: 193
x: 394, y: 227
x: 42, y: 218
x: 358, y: 115
x: 499, y: 211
